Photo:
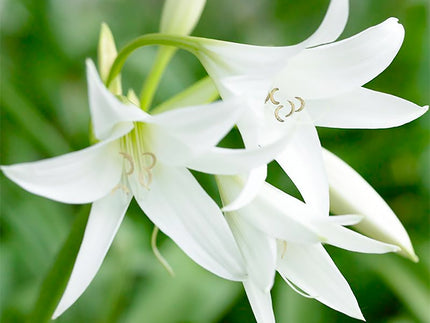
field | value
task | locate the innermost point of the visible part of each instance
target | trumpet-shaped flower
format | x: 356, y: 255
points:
x: 277, y: 232
x: 146, y: 157
x: 315, y: 83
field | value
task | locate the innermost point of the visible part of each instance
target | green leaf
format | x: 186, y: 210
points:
x: 56, y: 280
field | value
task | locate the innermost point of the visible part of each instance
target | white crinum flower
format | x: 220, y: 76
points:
x: 314, y: 83
x: 146, y: 157
x: 277, y: 232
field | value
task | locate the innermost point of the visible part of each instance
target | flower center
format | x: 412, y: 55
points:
x: 270, y: 97
x: 136, y: 156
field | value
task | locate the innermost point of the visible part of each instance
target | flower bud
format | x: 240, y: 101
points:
x: 179, y: 17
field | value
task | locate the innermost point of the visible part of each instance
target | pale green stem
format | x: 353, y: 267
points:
x: 187, y: 43
x: 157, y: 253
x: 164, y: 55
x: 201, y: 92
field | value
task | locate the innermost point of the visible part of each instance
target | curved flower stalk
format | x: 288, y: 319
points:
x: 277, y: 232
x: 350, y: 193
x: 146, y: 157
x: 315, y: 83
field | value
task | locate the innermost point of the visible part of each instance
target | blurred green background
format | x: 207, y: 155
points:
x: 44, y: 113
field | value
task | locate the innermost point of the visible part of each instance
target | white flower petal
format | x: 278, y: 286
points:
x: 363, y: 108
x: 223, y: 60
x: 333, y: 24
x: 272, y: 211
x: 302, y: 161
x: 181, y: 209
x: 344, y: 238
x: 336, y: 68
x: 350, y: 193
x: 261, y: 302
x: 258, y: 250
x: 106, y: 110
x: 79, y: 177
x: 253, y: 183
x: 310, y: 268
x: 227, y: 161
x: 198, y: 128
x: 105, y: 218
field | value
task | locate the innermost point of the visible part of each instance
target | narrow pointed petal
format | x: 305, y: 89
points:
x: 254, y: 180
x: 193, y: 129
x: 311, y: 269
x: 105, y: 218
x: 176, y: 203
x: 261, y: 302
x: 364, y: 109
x: 337, y: 68
x: 350, y: 193
x: 344, y: 238
x: 79, y: 177
x: 258, y: 250
x: 225, y: 161
x: 106, y: 110
x: 303, y: 163
x: 333, y: 24
x: 272, y: 211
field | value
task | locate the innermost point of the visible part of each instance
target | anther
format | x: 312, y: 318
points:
x: 302, y: 104
x: 153, y: 158
x: 145, y: 183
x: 277, y: 113
x: 292, y: 109
x: 270, y: 96
x: 130, y: 160
x: 121, y: 186
x: 284, y: 249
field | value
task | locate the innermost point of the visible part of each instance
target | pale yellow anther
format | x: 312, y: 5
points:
x: 270, y: 96
x: 122, y: 187
x: 130, y: 161
x: 153, y: 160
x: 277, y: 113
x: 302, y: 104
x: 284, y: 249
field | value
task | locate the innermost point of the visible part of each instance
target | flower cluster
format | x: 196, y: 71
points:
x: 276, y: 96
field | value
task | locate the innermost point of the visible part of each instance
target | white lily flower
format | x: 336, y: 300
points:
x: 307, y: 85
x: 146, y: 157
x: 350, y: 193
x: 277, y: 232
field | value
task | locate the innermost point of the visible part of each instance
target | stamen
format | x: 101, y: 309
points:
x: 270, y: 96
x: 277, y: 113
x: 121, y: 186
x: 284, y: 249
x: 146, y: 184
x: 154, y: 160
x: 147, y: 170
x: 302, y: 103
x: 292, y: 109
x: 130, y: 160
x: 157, y: 253
x: 296, y: 289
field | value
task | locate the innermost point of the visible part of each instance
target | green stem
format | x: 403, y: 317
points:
x: 55, y: 281
x: 163, y: 58
x: 187, y: 43
x: 201, y: 92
